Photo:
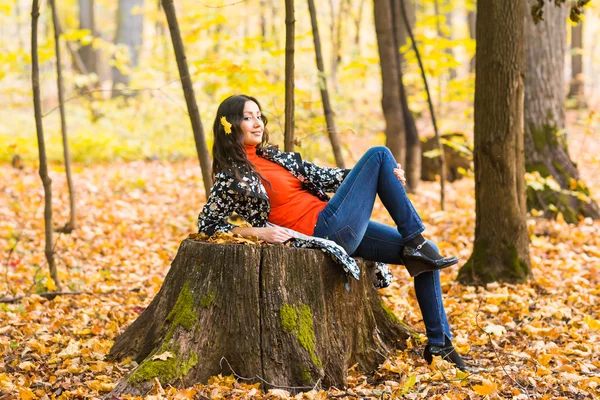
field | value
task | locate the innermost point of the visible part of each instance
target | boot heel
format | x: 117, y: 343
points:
x: 415, y: 268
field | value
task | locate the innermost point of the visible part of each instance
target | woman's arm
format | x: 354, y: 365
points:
x: 219, y: 206
x: 328, y: 178
x: 268, y: 234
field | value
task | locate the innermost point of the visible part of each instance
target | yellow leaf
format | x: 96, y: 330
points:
x: 50, y: 284
x: 485, y: 388
x: 164, y: 356
x: 594, y: 324
x: 26, y: 394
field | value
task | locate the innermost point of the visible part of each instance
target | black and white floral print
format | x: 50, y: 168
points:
x: 248, y: 198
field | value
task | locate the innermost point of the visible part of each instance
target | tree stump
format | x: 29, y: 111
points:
x: 276, y: 314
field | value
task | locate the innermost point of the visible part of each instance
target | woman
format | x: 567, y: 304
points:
x: 267, y: 186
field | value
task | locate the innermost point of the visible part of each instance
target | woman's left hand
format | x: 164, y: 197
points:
x: 399, y: 172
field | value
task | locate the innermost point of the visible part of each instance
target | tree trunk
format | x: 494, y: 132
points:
x: 545, y: 145
x: 43, y: 171
x: 472, y: 20
x: 129, y: 33
x: 188, y: 91
x: 281, y: 318
x: 405, y: 17
x: 290, y: 22
x: 501, y: 248
x: 69, y: 226
x: 576, y: 89
x: 413, y: 144
x: 333, y: 136
x: 88, y: 55
x: 390, y: 101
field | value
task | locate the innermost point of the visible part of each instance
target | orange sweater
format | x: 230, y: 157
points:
x: 291, y: 206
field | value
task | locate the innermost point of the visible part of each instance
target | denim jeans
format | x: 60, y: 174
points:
x: 346, y: 221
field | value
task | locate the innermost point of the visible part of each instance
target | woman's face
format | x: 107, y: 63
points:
x: 252, y: 125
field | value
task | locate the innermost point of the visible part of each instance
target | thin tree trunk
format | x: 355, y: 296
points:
x: 357, y: 23
x: 472, y: 19
x: 390, y: 100
x: 69, y: 226
x: 576, y: 89
x: 188, y: 91
x: 129, y: 33
x: 289, y: 75
x: 545, y: 144
x: 501, y: 248
x: 333, y: 136
x: 87, y: 53
x: 433, y: 119
x: 43, y: 171
x: 413, y: 144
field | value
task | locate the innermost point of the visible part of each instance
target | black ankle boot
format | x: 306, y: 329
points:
x: 447, y: 352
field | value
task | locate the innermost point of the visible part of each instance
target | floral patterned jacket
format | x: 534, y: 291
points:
x: 248, y: 198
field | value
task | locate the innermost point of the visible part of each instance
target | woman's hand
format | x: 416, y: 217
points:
x: 399, y: 172
x: 272, y: 234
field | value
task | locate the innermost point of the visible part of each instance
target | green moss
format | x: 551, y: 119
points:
x: 149, y: 369
x: 298, y: 321
x: 208, y: 299
x: 395, y: 318
x: 165, y: 370
x: 305, y: 375
x: 189, y: 363
x: 289, y: 318
x: 539, y: 167
x: 483, y: 266
x: 545, y: 135
x: 182, y: 313
x: 390, y: 313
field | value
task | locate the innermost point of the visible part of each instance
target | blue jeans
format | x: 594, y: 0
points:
x: 346, y: 220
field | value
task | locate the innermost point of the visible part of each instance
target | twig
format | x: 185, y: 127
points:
x: 46, y: 295
x: 224, y: 5
x: 261, y: 379
x: 345, y: 394
x: 498, y: 356
x: 88, y: 92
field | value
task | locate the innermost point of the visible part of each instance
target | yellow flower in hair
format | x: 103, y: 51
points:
x: 226, y: 125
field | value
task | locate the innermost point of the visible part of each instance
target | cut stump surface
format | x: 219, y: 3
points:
x: 276, y: 314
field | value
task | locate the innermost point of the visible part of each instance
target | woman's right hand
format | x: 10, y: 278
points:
x: 272, y: 234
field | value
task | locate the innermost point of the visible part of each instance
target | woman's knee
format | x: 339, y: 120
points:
x: 379, y: 150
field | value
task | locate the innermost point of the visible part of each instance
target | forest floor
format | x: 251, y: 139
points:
x: 535, y: 340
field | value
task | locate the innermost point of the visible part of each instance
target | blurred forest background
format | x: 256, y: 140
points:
x: 138, y: 188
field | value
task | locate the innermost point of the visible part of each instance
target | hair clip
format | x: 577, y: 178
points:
x: 226, y: 125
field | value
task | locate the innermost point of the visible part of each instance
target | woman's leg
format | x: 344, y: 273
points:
x: 346, y: 216
x: 382, y: 243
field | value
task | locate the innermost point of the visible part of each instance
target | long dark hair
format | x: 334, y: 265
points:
x: 228, y: 148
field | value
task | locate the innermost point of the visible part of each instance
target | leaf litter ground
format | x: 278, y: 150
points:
x: 536, y: 340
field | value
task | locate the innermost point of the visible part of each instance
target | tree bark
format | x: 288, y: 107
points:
x: 545, y: 145
x: 129, y: 33
x: 69, y: 226
x: 281, y: 317
x: 188, y: 91
x: 501, y: 248
x: 392, y: 106
x: 333, y: 135
x: 576, y: 87
x: 43, y: 170
x: 87, y: 53
x: 290, y: 22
